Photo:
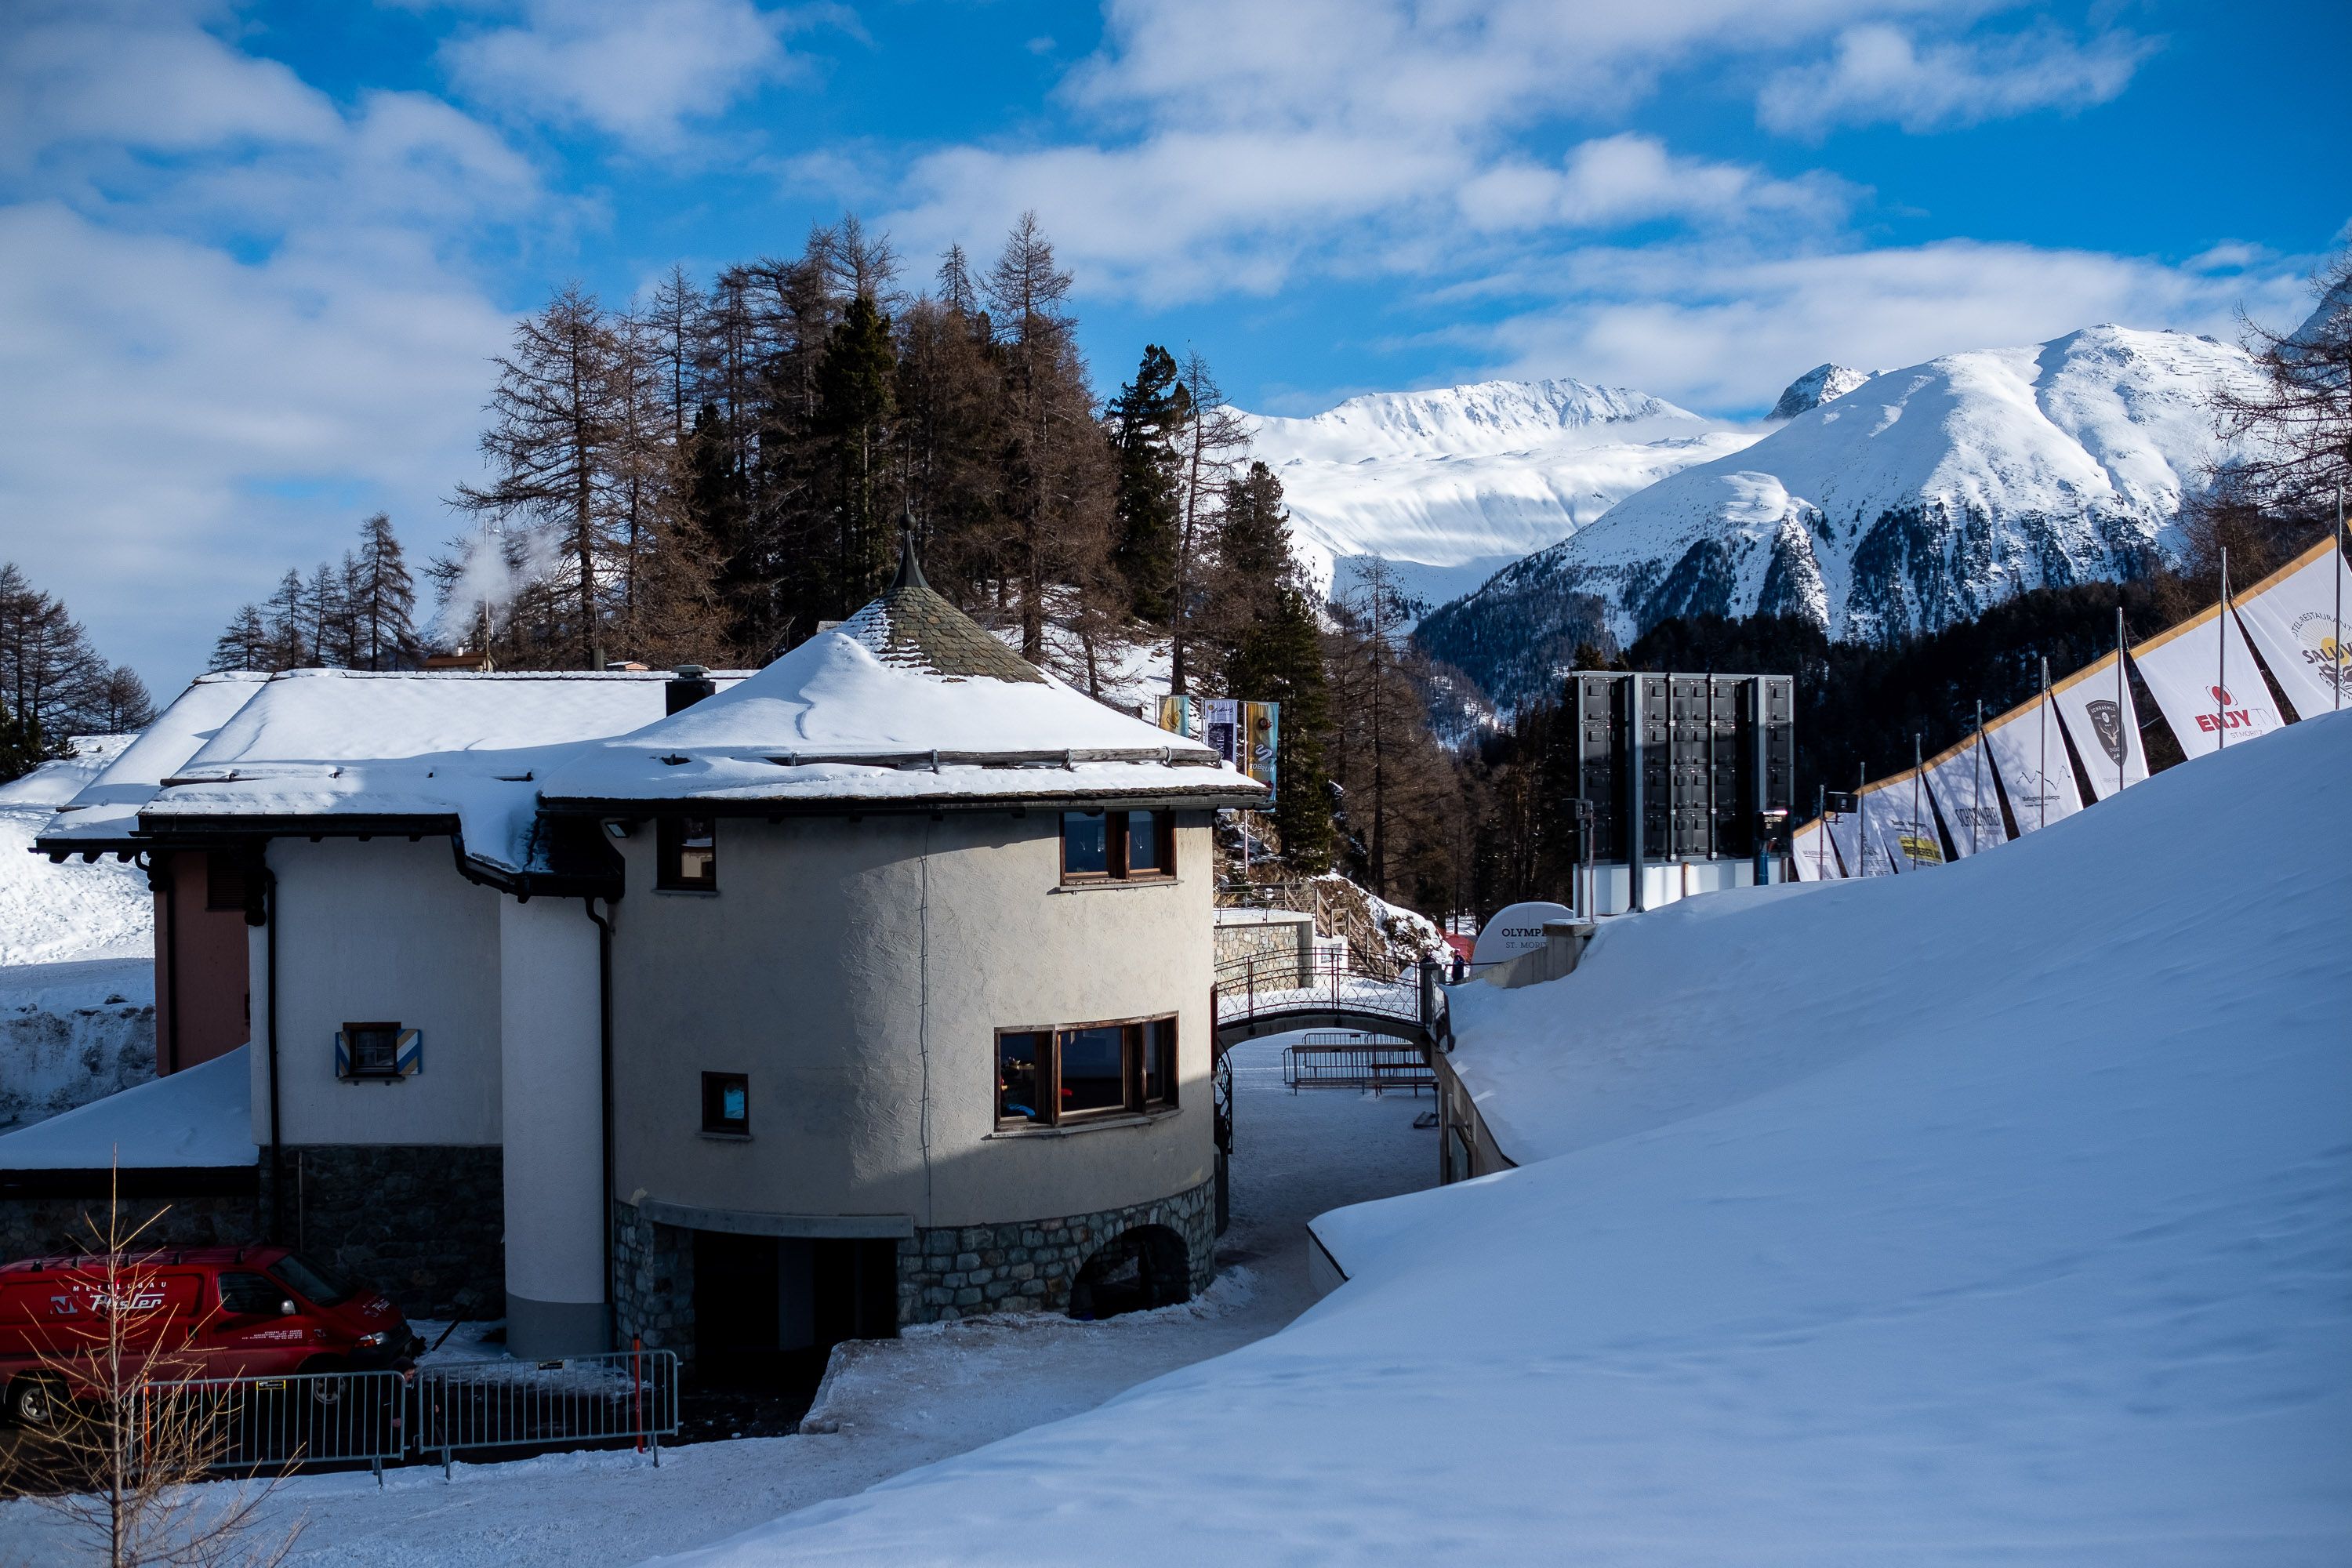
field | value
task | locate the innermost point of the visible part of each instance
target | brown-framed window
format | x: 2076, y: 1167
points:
x: 372, y: 1050
x: 688, y: 850
x: 727, y: 1104
x: 1117, y: 846
x: 1057, y: 1076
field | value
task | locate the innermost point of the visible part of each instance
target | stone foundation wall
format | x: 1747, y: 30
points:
x: 653, y: 1283
x: 31, y: 1227
x: 419, y: 1222
x: 1028, y: 1267
x: 1274, y: 944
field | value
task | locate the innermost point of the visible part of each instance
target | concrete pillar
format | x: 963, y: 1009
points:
x: 551, y: 1091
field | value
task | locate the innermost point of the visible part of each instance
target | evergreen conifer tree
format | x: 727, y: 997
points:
x: 1279, y: 659
x: 1145, y: 420
x: 855, y: 403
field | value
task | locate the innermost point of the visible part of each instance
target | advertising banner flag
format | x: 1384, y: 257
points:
x: 1810, y: 852
x: 1224, y: 728
x: 2295, y: 617
x: 2102, y: 720
x: 1960, y: 780
x: 1899, y: 825
x: 1261, y: 743
x: 1842, y: 828
x: 2202, y: 674
x: 2029, y: 752
x: 1180, y: 716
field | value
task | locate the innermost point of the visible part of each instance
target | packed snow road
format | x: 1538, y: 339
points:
x: 938, y: 1392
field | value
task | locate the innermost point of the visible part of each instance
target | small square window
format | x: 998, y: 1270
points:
x: 688, y: 850
x: 1117, y: 845
x: 726, y: 1103
x: 375, y: 1051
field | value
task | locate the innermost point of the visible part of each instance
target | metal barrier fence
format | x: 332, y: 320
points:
x: 273, y: 1423
x: 1331, y: 983
x: 463, y: 1405
x: 1328, y: 1061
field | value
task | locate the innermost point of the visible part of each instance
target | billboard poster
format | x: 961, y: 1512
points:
x: 2102, y: 722
x: 1180, y: 716
x: 2295, y: 616
x: 2202, y: 676
x: 1900, y: 824
x: 2029, y: 755
x: 1960, y: 782
x: 1810, y: 853
x: 1846, y: 848
x: 1224, y: 730
x: 1261, y: 743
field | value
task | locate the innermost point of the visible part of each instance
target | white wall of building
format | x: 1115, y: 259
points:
x: 376, y: 931
x: 551, y: 1044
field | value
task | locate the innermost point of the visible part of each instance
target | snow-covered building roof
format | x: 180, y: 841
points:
x: 908, y: 702
x: 105, y: 811
x: 199, y: 1118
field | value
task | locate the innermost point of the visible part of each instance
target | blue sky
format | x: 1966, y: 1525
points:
x: 257, y: 255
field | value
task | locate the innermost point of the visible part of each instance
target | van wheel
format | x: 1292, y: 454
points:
x: 326, y: 1390
x: 33, y: 1403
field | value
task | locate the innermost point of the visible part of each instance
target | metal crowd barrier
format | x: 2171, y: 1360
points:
x: 274, y: 1423
x: 1330, y: 1060
x: 626, y: 1395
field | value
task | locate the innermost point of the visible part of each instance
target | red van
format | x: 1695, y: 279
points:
x: 216, y: 1311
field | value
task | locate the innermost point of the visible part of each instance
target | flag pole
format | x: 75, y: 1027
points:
x: 2043, y: 818
x: 2123, y: 705
x: 1862, y: 819
x: 1914, y: 854
x: 1822, y: 815
x: 2339, y: 660
x: 1976, y: 804
x: 2222, y: 659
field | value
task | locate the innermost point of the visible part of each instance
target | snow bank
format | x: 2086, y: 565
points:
x: 202, y: 1116
x: 1999, y: 1216
x: 53, y: 912
x: 70, y: 1033
x: 59, y: 779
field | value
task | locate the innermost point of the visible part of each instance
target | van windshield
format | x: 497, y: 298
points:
x: 314, y: 1282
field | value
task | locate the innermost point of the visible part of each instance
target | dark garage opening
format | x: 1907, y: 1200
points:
x: 768, y: 1309
x: 1139, y: 1268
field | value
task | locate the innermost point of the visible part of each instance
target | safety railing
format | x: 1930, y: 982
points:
x: 1330, y: 983
x: 277, y: 1422
x: 1356, y: 1061
x: 626, y: 1395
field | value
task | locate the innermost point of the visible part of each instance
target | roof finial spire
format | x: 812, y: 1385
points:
x: 910, y: 570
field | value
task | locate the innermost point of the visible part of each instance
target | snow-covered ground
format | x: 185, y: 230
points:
x: 938, y: 1392
x: 2001, y: 1215
x: 73, y: 910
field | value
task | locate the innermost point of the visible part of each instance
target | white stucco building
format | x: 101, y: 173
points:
x: 734, y: 1015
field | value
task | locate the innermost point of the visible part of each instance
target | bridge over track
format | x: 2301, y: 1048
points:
x: 1270, y: 995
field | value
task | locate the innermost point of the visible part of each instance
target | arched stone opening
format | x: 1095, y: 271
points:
x: 1145, y: 1267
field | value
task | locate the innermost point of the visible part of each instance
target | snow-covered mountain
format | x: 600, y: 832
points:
x: 1822, y: 383
x: 1450, y: 485
x: 1913, y: 500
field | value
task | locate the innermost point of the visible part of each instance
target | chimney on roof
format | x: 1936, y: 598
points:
x: 689, y: 685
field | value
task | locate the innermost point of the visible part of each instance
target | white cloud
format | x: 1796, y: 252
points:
x: 1877, y: 73
x: 1726, y: 329
x: 1631, y: 178
x: 636, y: 70
x: 237, y: 316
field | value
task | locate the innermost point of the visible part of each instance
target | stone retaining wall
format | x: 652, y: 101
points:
x: 653, y: 1283
x: 1029, y: 1265
x: 419, y: 1222
x: 31, y: 1227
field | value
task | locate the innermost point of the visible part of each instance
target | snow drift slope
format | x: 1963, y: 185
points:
x: 1913, y: 501
x: 2001, y: 1214
x: 1454, y: 483
x: 74, y: 910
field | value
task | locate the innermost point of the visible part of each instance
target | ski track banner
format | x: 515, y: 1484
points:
x: 1960, y: 780
x: 1223, y: 731
x: 1847, y: 854
x: 2029, y: 752
x: 2293, y: 616
x: 1811, y: 854
x: 2202, y: 674
x: 1901, y: 824
x: 2104, y: 723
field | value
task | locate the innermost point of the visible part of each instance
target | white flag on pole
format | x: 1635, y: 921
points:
x: 2103, y: 720
x: 2292, y: 617
x: 1902, y: 826
x: 1810, y: 852
x: 2202, y: 674
x: 1961, y: 782
x: 2029, y: 751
